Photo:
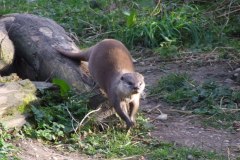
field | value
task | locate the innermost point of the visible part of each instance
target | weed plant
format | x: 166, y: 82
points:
x: 54, y: 118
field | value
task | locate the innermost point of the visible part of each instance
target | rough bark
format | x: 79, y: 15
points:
x: 33, y: 38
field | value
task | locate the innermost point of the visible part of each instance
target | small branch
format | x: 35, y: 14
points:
x: 87, y: 115
x: 133, y: 157
x: 100, y: 34
x: 220, y: 48
x: 81, y: 123
x: 228, y: 153
x: 180, y: 111
x: 156, y: 107
x: 228, y: 13
x: 221, y: 102
x: 155, y: 12
x: 231, y: 110
x: 73, y: 119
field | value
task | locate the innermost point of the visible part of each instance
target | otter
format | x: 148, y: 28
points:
x: 111, y: 66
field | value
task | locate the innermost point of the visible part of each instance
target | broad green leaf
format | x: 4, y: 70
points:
x: 64, y: 87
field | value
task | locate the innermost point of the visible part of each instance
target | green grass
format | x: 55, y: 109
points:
x: 116, y: 145
x: 208, y: 98
x: 169, y: 151
x: 7, y: 150
x: 171, y: 25
x: 52, y: 116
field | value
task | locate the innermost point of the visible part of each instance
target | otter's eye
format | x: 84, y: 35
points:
x: 129, y: 83
x: 122, y: 78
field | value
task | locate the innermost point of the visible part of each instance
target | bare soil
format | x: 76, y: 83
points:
x: 34, y: 150
x: 181, y: 127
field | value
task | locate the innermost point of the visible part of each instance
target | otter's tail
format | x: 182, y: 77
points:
x: 76, y: 54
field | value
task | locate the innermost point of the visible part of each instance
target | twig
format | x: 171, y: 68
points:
x: 230, y: 66
x: 156, y: 107
x: 191, y: 84
x: 227, y: 16
x: 180, y: 111
x: 160, y: 111
x: 221, y: 102
x: 228, y: 13
x: 80, y: 124
x: 131, y: 157
x: 73, y: 119
x: 155, y: 12
x: 49, y: 77
x: 228, y: 152
x: 100, y: 34
x: 228, y: 109
x: 220, y: 48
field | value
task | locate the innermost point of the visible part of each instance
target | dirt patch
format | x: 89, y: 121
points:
x: 185, y: 129
x: 33, y: 150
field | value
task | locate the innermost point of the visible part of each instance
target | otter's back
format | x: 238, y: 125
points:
x: 108, y: 59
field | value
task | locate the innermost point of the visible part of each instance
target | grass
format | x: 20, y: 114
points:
x: 208, y: 98
x: 169, y: 151
x: 51, y: 123
x: 7, y: 150
x: 173, y: 25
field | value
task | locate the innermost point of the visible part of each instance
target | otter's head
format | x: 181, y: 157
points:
x: 131, y: 83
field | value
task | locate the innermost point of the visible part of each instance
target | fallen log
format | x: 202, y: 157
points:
x: 33, y: 38
x: 35, y: 58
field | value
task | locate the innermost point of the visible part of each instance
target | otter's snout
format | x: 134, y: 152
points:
x: 136, y: 88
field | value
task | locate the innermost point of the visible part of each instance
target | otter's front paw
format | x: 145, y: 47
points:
x: 130, y: 124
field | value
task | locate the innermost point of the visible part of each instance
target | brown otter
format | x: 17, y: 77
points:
x: 111, y: 66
